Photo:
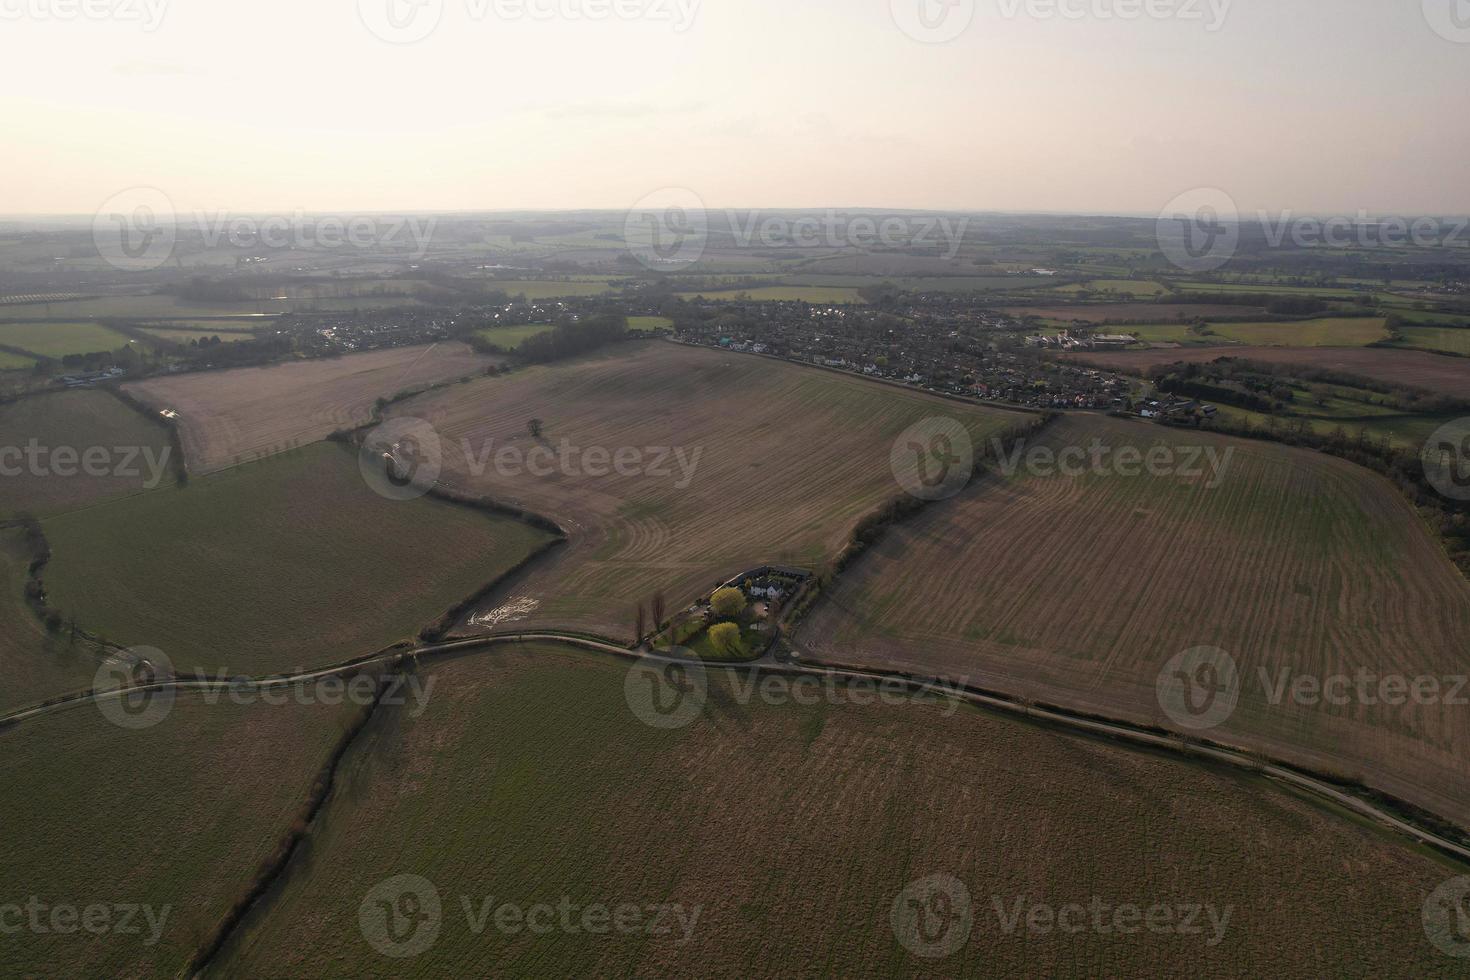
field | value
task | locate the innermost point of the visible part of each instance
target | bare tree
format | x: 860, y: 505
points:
x: 640, y: 624
x: 658, y: 610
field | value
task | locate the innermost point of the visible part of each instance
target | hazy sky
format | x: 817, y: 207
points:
x: 272, y: 105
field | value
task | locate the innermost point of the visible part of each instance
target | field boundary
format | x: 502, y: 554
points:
x: 445, y: 624
x: 180, y: 462
x: 298, y: 831
x: 872, y: 528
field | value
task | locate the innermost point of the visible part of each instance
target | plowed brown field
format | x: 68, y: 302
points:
x: 1078, y: 591
x: 793, y: 830
x: 786, y: 461
x: 230, y: 417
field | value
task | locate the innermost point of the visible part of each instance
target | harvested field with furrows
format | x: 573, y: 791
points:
x: 230, y: 417
x: 177, y: 817
x: 786, y: 834
x: 67, y: 429
x: 1431, y: 372
x: 733, y: 461
x: 1078, y: 591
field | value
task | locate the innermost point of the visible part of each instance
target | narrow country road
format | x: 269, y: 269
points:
x: 1108, y: 729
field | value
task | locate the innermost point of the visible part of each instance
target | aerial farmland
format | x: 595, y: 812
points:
x: 761, y: 490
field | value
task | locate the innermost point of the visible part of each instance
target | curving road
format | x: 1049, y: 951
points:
x: 1109, y: 729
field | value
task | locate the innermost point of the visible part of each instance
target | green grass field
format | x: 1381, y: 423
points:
x: 644, y: 324
x: 509, y: 338
x: 1323, y: 332
x: 15, y: 362
x: 1436, y: 339
x: 136, y: 451
x: 56, y: 340
x: 1165, y: 333
x: 1254, y: 287
x: 179, y: 815
x: 1406, y: 432
x: 529, y: 780
x: 285, y: 563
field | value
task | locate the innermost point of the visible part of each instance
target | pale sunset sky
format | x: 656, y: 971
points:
x: 1315, y: 105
